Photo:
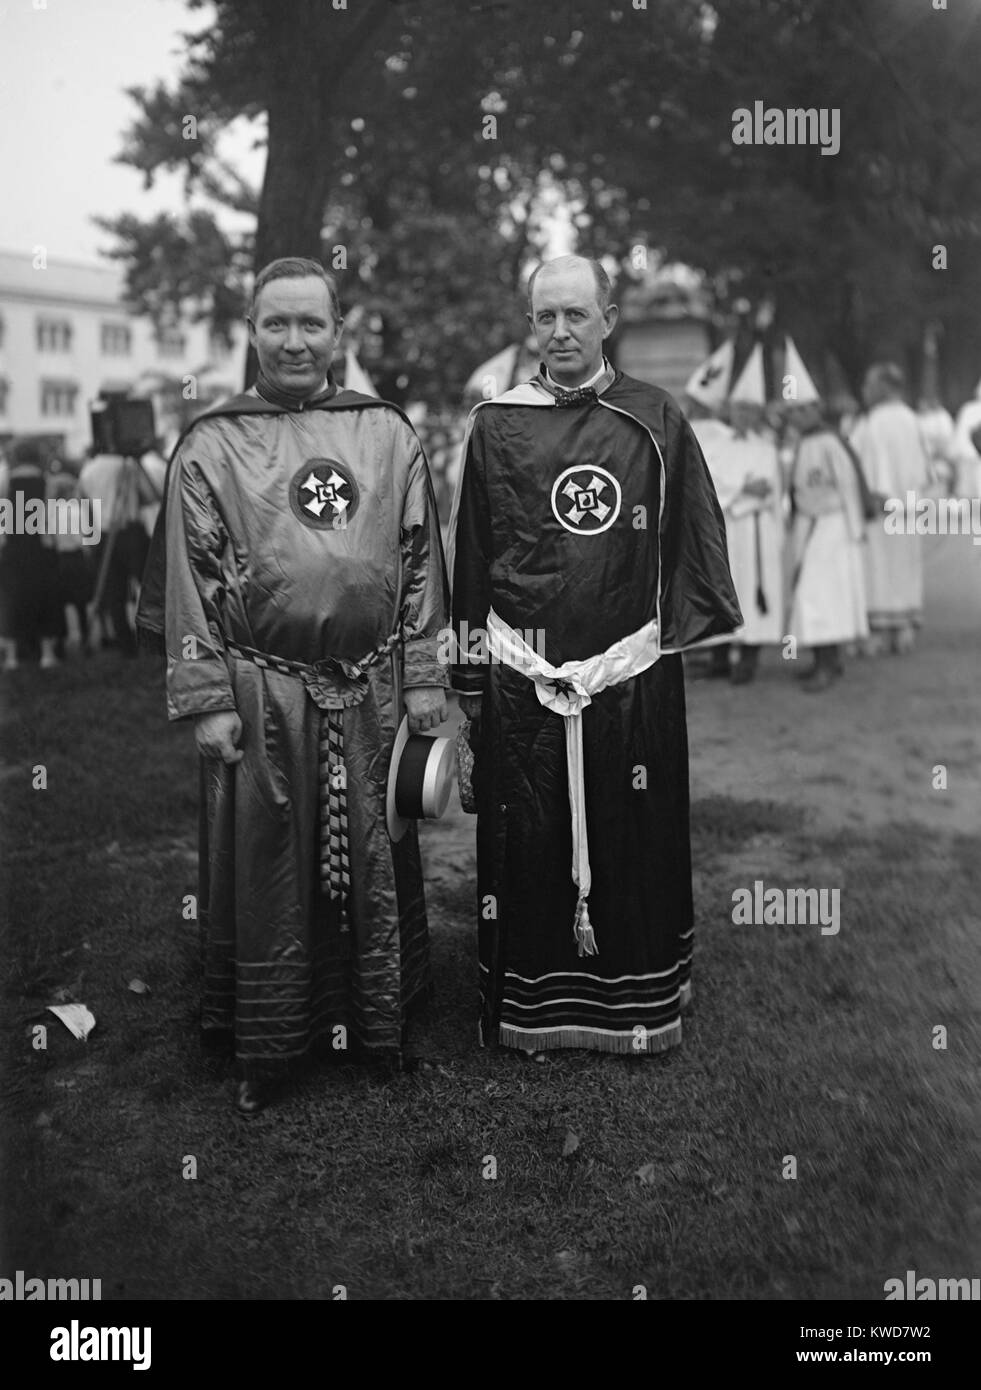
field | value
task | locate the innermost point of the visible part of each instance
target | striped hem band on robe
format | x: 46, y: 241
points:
x: 628, y: 1014
x: 637, y: 1044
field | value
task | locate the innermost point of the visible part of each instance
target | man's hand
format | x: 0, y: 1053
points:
x: 426, y: 707
x: 757, y: 487
x: 217, y: 735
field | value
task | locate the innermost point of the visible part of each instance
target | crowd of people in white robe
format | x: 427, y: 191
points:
x: 817, y: 498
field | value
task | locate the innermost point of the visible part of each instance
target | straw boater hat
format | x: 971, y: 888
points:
x: 420, y: 777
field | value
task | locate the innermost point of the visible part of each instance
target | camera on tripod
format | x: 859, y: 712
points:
x: 122, y: 425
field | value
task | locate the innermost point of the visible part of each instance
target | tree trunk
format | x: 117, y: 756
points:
x: 311, y: 48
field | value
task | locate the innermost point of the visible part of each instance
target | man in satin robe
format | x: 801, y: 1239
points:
x: 304, y: 592
x: 890, y: 447
x: 590, y: 550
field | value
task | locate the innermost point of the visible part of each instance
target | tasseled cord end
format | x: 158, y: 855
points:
x: 583, y: 930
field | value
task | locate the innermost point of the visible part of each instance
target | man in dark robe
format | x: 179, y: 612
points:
x: 304, y: 591
x: 590, y: 551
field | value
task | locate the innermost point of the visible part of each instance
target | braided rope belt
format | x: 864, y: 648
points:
x: 334, y: 685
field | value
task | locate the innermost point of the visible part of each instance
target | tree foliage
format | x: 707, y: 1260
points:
x: 422, y: 137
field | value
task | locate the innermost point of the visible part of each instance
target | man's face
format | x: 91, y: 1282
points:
x: 568, y: 323
x: 295, y: 334
x: 745, y: 416
x: 804, y: 416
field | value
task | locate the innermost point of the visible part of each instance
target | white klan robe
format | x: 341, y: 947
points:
x: 890, y: 446
x: 827, y: 600
x: 754, y: 525
x: 965, y: 454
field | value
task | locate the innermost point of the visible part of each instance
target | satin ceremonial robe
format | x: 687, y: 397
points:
x: 304, y: 534
x: 578, y: 526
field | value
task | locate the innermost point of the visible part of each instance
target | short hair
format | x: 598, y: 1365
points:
x: 890, y: 374
x: 604, y: 288
x: 295, y: 268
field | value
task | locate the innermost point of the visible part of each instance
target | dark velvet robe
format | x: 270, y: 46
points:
x: 578, y: 526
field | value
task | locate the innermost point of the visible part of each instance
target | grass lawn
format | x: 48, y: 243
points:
x: 612, y: 1172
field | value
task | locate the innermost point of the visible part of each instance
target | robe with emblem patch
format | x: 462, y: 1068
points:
x: 577, y: 526
x: 301, y: 534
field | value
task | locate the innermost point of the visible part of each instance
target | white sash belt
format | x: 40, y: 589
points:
x: 567, y: 690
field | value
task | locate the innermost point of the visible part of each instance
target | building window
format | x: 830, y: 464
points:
x: 54, y: 335
x: 117, y: 340
x: 4, y: 390
x: 171, y: 342
x: 58, y: 398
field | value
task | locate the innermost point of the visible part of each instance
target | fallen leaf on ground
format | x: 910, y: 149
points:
x: 647, y: 1174
x: 571, y: 1143
x: 76, y: 1018
x: 138, y: 987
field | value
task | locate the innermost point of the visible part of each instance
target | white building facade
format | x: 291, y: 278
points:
x: 66, y: 336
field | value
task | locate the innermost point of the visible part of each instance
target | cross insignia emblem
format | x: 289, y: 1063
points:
x: 586, y: 500
x: 324, y: 495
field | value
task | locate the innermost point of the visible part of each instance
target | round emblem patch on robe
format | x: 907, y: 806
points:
x: 324, y: 495
x: 586, y: 500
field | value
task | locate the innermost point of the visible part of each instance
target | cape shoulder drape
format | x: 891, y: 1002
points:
x: 578, y: 527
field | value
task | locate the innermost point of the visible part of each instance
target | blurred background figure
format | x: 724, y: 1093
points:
x: 966, y: 457
x: 124, y: 489
x: 828, y: 508
x: 31, y: 620
x: 703, y: 398
x: 75, y: 577
x: 936, y: 421
x: 894, y: 462
x: 937, y: 430
x: 747, y: 481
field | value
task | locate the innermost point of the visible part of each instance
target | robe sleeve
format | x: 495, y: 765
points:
x: 198, y: 681
x: 698, y: 598
x: 743, y: 504
x: 424, y: 597
x: 471, y: 567
x: 875, y: 463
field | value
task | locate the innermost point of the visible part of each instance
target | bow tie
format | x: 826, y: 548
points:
x: 576, y: 397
